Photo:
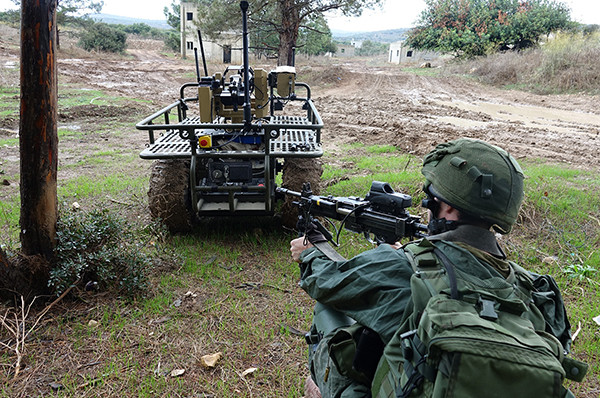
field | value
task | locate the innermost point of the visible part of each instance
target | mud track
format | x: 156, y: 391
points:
x: 384, y: 105
x: 358, y: 103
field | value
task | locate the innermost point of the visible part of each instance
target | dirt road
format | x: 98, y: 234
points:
x: 381, y: 104
x: 387, y: 105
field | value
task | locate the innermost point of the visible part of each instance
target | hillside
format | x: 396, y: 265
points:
x: 381, y: 36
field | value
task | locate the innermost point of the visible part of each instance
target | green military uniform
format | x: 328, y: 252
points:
x: 407, y: 297
x: 374, y: 289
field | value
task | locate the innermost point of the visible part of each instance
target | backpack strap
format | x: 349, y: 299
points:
x: 451, y: 273
x: 425, y: 256
x: 428, y: 262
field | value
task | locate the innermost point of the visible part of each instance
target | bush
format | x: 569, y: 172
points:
x: 566, y: 63
x: 95, y: 248
x: 11, y: 17
x: 172, y: 41
x: 103, y: 37
x: 570, y: 63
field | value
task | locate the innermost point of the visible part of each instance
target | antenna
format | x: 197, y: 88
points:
x: 247, y: 106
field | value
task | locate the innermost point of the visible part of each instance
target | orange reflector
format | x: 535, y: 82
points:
x: 205, y: 141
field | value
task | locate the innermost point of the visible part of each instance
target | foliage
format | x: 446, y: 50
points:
x: 94, y: 248
x: 276, y: 22
x: 11, y: 17
x: 172, y: 41
x: 568, y: 63
x: 469, y: 28
x: 141, y: 29
x: 172, y: 13
x: 369, y: 47
x: 103, y: 37
x: 590, y: 29
x: 73, y: 11
x: 171, y: 37
x: 315, y: 38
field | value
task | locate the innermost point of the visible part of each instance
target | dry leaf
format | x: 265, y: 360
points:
x: 249, y: 371
x: 177, y: 372
x: 92, y: 323
x: 210, y: 361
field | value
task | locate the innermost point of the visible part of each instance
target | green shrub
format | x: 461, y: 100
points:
x: 96, y: 248
x: 172, y: 41
x: 103, y: 37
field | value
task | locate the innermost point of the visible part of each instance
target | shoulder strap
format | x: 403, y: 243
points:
x: 425, y: 255
x: 451, y: 274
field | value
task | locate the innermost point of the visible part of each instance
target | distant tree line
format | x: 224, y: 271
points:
x: 277, y: 26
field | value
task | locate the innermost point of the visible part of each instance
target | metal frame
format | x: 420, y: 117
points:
x: 284, y: 136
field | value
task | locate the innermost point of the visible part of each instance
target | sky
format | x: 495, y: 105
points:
x: 394, y: 14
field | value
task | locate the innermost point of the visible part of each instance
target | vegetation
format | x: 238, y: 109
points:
x: 315, y: 38
x: 97, y: 250
x: 237, y: 287
x: 369, y: 47
x: 470, y: 28
x: 142, y: 30
x: 231, y: 290
x: 278, y: 21
x: 11, y: 17
x: 103, y: 37
x: 172, y: 38
x: 565, y: 64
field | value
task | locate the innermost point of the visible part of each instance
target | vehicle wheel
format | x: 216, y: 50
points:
x: 168, y: 195
x: 297, y: 171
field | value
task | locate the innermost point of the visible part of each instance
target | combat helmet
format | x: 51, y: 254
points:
x: 479, y: 179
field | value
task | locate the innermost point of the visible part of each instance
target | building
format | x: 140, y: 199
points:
x: 228, y: 49
x: 345, y: 50
x: 400, y: 53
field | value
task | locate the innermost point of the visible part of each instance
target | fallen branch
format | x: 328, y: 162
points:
x: 18, y: 330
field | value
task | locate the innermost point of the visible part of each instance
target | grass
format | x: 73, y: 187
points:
x: 9, y: 102
x: 234, y: 291
x: 565, y: 64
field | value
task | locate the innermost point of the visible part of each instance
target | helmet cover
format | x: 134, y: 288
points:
x: 478, y: 179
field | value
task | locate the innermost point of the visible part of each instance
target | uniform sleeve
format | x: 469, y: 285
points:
x: 373, y: 288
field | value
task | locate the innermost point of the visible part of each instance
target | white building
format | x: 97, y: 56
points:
x: 228, y: 49
x: 400, y: 53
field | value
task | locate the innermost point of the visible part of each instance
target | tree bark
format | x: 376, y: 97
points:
x: 38, y: 128
x: 288, y: 35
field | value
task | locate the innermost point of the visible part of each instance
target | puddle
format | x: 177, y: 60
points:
x: 530, y: 116
x: 460, y: 122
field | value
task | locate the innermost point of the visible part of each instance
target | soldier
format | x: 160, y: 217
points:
x: 368, y: 304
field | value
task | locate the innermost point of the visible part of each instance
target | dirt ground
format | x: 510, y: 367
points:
x: 359, y: 103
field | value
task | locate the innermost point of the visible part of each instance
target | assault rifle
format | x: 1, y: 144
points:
x: 381, y: 216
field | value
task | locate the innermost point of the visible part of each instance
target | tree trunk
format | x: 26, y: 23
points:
x: 290, y: 24
x: 38, y: 128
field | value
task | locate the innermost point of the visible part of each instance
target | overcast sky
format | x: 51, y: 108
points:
x: 394, y: 14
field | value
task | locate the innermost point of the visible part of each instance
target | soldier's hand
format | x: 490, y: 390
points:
x: 297, y: 246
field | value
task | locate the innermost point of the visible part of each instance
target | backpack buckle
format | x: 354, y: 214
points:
x: 487, y: 309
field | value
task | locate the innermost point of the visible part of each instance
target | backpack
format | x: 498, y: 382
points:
x: 473, y: 333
